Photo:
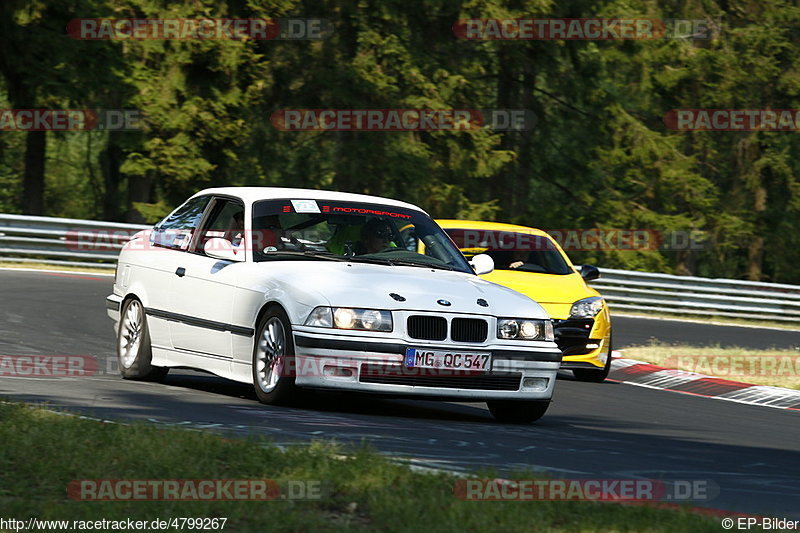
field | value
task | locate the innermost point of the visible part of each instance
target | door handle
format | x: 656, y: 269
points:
x: 180, y: 272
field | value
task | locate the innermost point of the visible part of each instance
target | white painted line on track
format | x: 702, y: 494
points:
x: 51, y: 271
x: 663, y: 378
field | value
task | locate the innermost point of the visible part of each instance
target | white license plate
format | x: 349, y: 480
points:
x: 420, y: 358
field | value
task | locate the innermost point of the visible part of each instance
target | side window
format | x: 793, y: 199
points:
x: 226, y: 221
x: 176, y: 230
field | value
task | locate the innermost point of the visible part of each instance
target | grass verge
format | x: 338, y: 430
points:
x: 43, y: 451
x: 777, y: 368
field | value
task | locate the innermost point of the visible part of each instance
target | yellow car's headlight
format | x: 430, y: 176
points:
x: 586, y: 308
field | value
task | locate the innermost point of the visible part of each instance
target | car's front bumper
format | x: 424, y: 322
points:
x: 356, y: 363
x: 585, y: 343
x: 113, y: 308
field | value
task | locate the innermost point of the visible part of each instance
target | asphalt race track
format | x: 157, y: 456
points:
x: 608, y: 430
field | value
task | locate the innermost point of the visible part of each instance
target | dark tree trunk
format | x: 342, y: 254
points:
x: 755, y: 248
x: 110, y: 161
x: 33, y: 177
x: 524, y: 169
x: 752, y: 181
x: 139, y: 190
x: 502, y: 186
x: 755, y: 257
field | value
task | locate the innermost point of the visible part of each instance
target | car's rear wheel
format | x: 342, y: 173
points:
x: 273, y: 359
x: 595, y: 376
x: 518, y: 411
x: 134, y: 352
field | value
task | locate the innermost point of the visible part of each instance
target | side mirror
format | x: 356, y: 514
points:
x: 482, y: 264
x: 589, y: 272
x: 219, y: 248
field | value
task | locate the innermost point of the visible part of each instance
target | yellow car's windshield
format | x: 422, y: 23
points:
x: 512, y: 250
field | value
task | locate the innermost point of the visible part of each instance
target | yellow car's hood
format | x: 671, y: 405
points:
x: 553, y: 292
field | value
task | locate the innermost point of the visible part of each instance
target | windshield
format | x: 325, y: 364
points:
x: 358, y: 232
x: 512, y: 250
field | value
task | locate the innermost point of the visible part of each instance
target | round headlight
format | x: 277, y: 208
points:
x: 344, y: 318
x: 529, y: 329
x: 371, y: 319
x: 509, y: 329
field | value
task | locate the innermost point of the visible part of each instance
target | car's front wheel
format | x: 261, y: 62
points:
x: 595, y: 376
x: 518, y: 411
x: 273, y: 359
x: 134, y: 352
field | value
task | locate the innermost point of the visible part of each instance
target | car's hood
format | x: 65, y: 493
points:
x: 370, y: 286
x: 555, y: 293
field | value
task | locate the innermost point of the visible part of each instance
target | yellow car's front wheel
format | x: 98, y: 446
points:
x: 595, y: 375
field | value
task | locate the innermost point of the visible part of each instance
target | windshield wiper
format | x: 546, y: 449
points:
x: 371, y: 260
x: 416, y: 264
x: 329, y: 256
x: 396, y: 262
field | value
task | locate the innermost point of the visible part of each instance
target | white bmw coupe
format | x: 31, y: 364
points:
x: 291, y: 288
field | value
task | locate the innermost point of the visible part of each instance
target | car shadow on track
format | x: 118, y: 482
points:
x: 339, y: 402
x: 354, y: 403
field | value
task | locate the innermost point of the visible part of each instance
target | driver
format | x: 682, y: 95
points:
x: 376, y: 235
x: 518, y: 258
x: 236, y: 232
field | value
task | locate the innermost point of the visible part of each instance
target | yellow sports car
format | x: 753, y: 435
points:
x: 529, y: 261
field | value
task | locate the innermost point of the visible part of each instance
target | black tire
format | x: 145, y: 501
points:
x: 134, y: 352
x: 595, y: 376
x: 518, y: 411
x: 267, y: 348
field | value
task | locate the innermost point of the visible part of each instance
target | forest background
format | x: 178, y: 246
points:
x: 599, y: 156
